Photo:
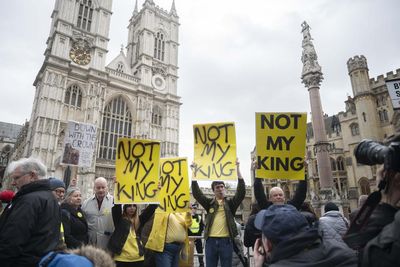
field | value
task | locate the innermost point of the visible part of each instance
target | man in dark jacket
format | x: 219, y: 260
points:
x: 276, y: 196
x: 287, y: 240
x: 220, y: 226
x: 30, y: 224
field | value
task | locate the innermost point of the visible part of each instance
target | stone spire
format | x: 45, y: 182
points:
x: 135, y: 11
x: 311, y: 74
x: 149, y: 3
x: 173, y: 9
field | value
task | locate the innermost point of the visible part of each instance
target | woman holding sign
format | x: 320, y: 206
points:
x: 125, y: 243
x: 169, y: 238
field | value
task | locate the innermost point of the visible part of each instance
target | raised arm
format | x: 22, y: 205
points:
x: 299, y: 195
x: 259, y: 192
x: 199, y: 196
x: 240, y: 190
x: 147, y: 213
x: 116, y: 212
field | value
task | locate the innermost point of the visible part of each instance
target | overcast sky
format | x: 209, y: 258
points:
x: 236, y: 57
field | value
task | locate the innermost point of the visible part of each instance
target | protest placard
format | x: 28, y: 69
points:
x: 79, y: 144
x: 174, y: 195
x: 280, y: 145
x: 393, y: 87
x: 215, y: 151
x: 137, y: 171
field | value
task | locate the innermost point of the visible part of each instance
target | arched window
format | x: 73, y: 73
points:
x: 364, y: 116
x: 73, y: 96
x: 364, y: 186
x: 117, y: 122
x: 385, y: 115
x: 354, y: 129
x: 159, y: 46
x: 156, y: 116
x: 5, y: 155
x: 380, y: 116
x: 340, y: 164
x: 85, y: 15
x: 120, y: 67
x: 383, y: 100
x: 333, y: 164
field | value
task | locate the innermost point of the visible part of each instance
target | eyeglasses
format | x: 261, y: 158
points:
x: 59, y: 191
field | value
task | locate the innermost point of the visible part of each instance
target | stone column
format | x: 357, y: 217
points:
x: 311, y: 77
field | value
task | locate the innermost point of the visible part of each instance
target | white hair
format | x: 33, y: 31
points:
x: 28, y: 165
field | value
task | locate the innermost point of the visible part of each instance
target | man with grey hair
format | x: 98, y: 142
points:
x: 98, y: 214
x: 30, y: 224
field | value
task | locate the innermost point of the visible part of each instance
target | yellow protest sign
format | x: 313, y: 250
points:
x: 280, y: 145
x: 215, y: 151
x: 137, y: 171
x: 174, y: 195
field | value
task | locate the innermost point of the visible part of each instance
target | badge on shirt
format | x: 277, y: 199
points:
x: 79, y: 214
x: 211, y: 210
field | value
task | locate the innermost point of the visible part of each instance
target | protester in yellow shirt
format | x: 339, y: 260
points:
x: 169, y: 238
x: 220, y: 228
x: 125, y: 243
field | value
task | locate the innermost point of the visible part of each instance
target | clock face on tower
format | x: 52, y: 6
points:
x: 158, y: 82
x: 80, y: 54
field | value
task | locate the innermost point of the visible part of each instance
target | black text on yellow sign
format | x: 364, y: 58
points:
x: 174, y: 180
x: 215, y: 151
x: 137, y: 166
x: 280, y: 145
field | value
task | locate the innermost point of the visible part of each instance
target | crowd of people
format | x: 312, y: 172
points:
x: 48, y: 224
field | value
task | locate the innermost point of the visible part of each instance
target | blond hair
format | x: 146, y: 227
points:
x: 97, y: 256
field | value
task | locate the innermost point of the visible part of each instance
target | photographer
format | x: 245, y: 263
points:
x: 381, y: 206
x: 382, y: 232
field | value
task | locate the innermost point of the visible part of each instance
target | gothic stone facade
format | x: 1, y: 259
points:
x: 369, y: 114
x: 135, y: 95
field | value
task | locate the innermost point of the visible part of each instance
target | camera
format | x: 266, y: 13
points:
x: 369, y: 152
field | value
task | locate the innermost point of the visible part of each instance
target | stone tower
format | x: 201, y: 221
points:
x: 152, y: 49
x: 134, y: 96
x: 364, y: 99
x: 71, y: 82
x: 311, y: 77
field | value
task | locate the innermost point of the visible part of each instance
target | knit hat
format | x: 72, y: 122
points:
x: 6, y: 196
x: 54, y: 259
x: 70, y: 190
x: 56, y: 183
x: 280, y: 222
x: 330, y: 206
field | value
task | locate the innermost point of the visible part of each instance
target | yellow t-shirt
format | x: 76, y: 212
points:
x: 219, y: 228
x: 130, y: 250
x: 176, y: 231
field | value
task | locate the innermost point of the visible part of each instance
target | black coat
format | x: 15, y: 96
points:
x: 123, y: 226
x: 75, y: 226
x: 29, y: 225
x: 251, y: 233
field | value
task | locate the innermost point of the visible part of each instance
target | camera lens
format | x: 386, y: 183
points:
x: 369, y: 152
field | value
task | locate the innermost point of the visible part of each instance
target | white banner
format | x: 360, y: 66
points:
x: 79, y: 144
x: 393, y: 87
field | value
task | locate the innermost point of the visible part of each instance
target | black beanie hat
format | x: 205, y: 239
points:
x: 331, y: 206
